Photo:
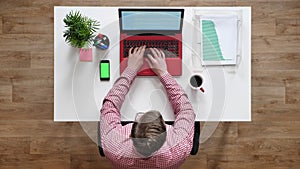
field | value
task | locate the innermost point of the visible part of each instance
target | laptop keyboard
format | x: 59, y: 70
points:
x: 170, y: 47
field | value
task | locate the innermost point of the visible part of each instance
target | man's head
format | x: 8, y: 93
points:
x: 148, y: 133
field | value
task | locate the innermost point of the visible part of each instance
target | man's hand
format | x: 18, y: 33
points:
x: 136, y: 58
x: 157, y: 61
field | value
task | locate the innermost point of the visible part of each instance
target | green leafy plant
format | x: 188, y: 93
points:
x: 80, y: 29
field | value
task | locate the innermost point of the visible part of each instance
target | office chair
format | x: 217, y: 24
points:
x: 195, y: 139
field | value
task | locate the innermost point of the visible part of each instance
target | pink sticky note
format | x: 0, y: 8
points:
x: 86, y: 55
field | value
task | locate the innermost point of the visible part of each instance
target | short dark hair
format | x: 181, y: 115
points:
x: 149, y: 133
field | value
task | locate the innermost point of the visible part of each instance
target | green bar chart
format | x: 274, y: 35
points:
x: 211, y: 45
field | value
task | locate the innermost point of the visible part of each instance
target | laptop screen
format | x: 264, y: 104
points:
x: 151, y: 20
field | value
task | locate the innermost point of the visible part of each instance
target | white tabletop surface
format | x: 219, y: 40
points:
x: 78, y: 91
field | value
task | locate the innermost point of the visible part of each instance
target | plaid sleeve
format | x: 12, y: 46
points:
x: 110, y: 111
x: 183, y: 110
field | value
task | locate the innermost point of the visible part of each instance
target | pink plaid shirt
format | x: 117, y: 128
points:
x: 116, y: 142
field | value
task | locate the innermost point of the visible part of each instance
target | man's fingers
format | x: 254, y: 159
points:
x: 163, y: 54
x: 149, y: 62
x: 155, y: 55
x: 158, y: 52
x: 130, y: 50
x: 151, y: 58
x: 142, y: 50
x: 135, y: 50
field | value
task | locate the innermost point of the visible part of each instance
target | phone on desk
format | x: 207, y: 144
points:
x: 104, y: 69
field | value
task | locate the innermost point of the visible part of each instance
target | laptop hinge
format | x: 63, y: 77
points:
x: 152, y: 34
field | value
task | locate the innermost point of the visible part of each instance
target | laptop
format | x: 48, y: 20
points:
x: 155, y: 28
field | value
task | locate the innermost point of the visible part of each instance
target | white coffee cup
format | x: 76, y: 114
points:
x: 196, y: 82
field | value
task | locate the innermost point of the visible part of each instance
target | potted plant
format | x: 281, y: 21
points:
x: 80, y: 33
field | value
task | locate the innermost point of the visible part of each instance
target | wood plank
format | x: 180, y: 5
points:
x: 201, y: 3
x: 27, y: 25
x: 275, y: 44
x: 81, y: 145
x: 266, y: 9
x: 269, y: 1
x: 44, y: 81
x: 14, y: 145
x: 220, y: 146
x: 15, y: 8
x: 25, y: 73
x: 293, y: 95
x: 288, y: 26
x: 252, y: 161
x: 16, y: 60
x: 224, y: 129
x: 276, y: 61
x: 144, y: 3
x: 42, y: 60
x: 275, y: 78
x: 82, y: 3
x: 1, y: 25
x: 26, y: 42
x: 284, y: 112
x: 259, y: 26
x: 26, y: 111
x: 258, y: 146
x: 136, y: 3
x: 35, y: 78
x: 5, y: 90
x: 268, y: 96
x: 41, y: 77
x: 31, y: 85
x: 27, y: 94
x: 89, y: 161
x: 47, y: 145
x: 265, y: 146
x: 33, y: 161
x: 195, y: 163
x: 269, y: 129
x: 40, y: 128
x: 64, y: 145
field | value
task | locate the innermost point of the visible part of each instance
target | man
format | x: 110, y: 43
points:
x: 148, y: 142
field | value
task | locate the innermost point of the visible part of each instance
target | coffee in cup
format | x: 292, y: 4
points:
x: 196, y: 82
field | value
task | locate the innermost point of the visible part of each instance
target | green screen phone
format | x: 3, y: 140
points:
x: 104, y: 68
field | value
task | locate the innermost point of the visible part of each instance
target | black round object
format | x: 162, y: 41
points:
x: 196, y: 81
x: 101, y: 41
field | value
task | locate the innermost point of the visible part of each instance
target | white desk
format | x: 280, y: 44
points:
x: 78, y: 92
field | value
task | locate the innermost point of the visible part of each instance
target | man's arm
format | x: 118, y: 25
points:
x: 184, y: 114
x: 183, y: 110
x: 112, y: 103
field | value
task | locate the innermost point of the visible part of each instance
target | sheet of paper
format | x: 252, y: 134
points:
x: 219, y: 39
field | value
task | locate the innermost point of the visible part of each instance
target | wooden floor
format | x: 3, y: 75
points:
x: 29, y: 139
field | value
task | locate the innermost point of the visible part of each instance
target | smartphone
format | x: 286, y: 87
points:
x: 104, y: 69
